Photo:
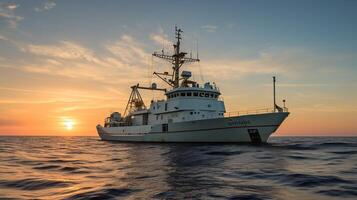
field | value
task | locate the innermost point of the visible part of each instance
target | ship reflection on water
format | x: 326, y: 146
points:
x: 85, y: 168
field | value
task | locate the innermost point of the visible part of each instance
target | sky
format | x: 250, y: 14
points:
x: 65, y: 65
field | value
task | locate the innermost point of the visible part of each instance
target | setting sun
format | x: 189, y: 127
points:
x: 68, y: 123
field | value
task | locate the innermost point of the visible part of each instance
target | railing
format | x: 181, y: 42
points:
x: 255, y: 111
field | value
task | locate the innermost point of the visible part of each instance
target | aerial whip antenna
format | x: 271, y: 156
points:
x: 197, y: 49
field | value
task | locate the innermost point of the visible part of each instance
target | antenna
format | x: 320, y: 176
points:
x: 177, y: 60
x: 197, y: 49
x: 274, y: 92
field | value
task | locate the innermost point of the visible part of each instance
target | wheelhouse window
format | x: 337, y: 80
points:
x: 189, y: 94
x: 212, y: 95
x: 202, y: 94
x: 183, y: 94
x: 206, y: 95
x: 195, y: 94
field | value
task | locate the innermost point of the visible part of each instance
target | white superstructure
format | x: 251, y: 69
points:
x: 190, y: 113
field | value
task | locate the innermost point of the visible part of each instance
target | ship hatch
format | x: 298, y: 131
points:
x: 145, y: 118
x: 165, y: 127
x: 254, y: 136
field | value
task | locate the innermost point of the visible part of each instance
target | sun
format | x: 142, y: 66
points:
x: 68, y: 123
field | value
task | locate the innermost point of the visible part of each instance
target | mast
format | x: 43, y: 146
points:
x: 274, y: 93
x: 177, y: 60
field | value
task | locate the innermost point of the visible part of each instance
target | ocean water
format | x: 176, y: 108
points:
x: 88, y: 168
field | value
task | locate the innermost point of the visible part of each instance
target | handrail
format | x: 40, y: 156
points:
x: 254, y: 111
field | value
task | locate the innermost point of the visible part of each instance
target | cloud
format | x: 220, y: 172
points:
x: 161, y: 38
x: 10, y: 6
x: 47, y: 5
x: 60, y: 96
x: 209, y: 28
x: 7, y: 13
x: 292, y: 62
x: 2, y: 37
x: 64, y: 50
x: 128, y: 50
x: 10, y: 40
x: 125, y: 61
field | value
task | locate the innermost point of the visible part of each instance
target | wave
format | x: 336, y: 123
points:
x: 34, y: 184
x: 88, y: 168
x: 109, y: 193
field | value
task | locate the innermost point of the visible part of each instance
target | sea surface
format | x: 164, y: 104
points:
x: 88, y: 168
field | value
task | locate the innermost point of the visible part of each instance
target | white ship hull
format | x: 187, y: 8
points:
x: 248, y: 128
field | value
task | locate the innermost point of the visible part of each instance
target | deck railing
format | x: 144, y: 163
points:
x: 254, y: 111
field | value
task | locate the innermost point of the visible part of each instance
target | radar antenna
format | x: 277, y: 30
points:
x: 177, y: 60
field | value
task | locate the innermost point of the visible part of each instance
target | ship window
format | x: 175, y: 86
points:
x: 202, y: 94
x: 183, y: 94
x: 191, y: 113
x: 215, y: 96
x: 189, y: 94
x: 212, y: 95
x: 206, y: 95
x: 195, y: 94
x: 165, y: 106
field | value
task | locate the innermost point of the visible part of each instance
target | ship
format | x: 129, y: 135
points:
x: 190, y: 112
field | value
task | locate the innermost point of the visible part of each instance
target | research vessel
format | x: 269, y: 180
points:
x: 190, y: 112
